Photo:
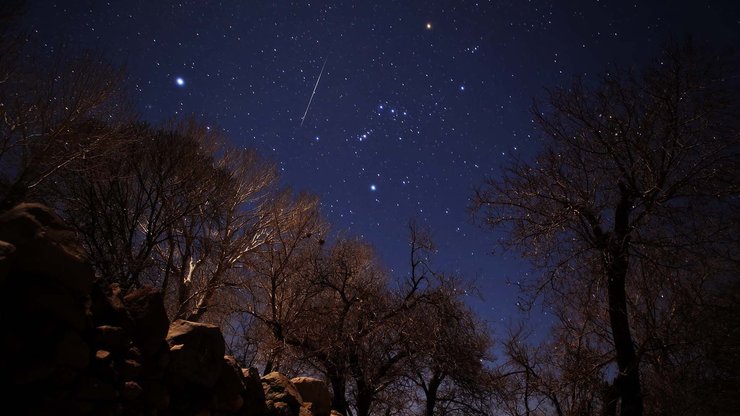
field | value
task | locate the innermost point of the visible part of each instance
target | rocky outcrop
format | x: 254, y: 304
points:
x: 70, y: 346
x: 281, y: 395
x: 196, y: 353
x: 315, y: 394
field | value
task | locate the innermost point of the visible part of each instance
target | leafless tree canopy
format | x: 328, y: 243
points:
x: 176, y: 207
x: 631, y: 211
x: 55, y: 111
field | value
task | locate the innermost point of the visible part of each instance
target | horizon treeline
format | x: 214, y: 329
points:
x: 629, y: 211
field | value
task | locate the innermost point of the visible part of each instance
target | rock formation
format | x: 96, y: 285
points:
x: 69, y: 346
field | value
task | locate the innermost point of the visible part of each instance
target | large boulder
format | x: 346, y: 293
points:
x: 281, y: 396
x: 42, y: 245
x: 148, y: 317
x: 107, y: 306
x: 228, y: 393
x: 111, y: 338
x: 254, y: 395
x: 45, y: 284
x: 154, y: 395
x: 196, y: 353
x: 70, y: 345
x: 314, y: 392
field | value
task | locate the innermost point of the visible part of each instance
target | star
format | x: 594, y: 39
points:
x: 429, y: 25
x: 373, y: 188
x: 180, y: 81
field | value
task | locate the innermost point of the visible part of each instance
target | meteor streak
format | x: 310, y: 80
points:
x: 313, y: 92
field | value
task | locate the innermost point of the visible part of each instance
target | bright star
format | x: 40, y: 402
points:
x: 373, y: 188
x: 429, y: 26
x: 179, y: 81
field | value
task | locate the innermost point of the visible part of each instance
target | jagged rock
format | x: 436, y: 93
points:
x: 37, y: 233
x: 133, y: 353
x: 315, y: 392
x: 148, y: 316
x: 6, y: 250
x: 128, y: 369
x: 85, y: 349
x: 254, y: 394
x: 229, y: 388
x: 49, y: 311
x: 154, y: 395
x: 131, y: 390
x: 189, y: 399
x: 281, y: 409
x: 306, y: 410
x: 155, y: 366
x: 72, y: 351
x: 62, y: 308
x: 196, y: 352
x: 102, y: 355
x: 47, y: 338
x: 94, y: 389
x: 335, y: 413
x: 111, y: 338
x: 281, y: 395
x: 107, y: 306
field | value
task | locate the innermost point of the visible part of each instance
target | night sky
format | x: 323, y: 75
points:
x: 417, y: 103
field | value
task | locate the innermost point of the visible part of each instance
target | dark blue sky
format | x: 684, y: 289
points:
x: 418, y: 101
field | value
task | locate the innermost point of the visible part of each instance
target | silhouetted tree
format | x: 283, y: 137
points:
x: 333, y: 306
x: 379, y: 334
x: 206, y: 250
x: 636, y: 186
x: 450, y: 352
x: 173, y: 209
x: 278, y: 290
x: 563, y: 375
x: 55, y: 113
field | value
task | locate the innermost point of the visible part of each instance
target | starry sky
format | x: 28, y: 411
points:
x: 417, y: 102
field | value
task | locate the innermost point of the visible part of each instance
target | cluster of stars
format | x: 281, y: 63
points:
x: 417, y: 102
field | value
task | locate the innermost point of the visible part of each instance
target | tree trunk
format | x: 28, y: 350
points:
x: 364, y: 401
x: 628, y: 380
x: 339, y: 399
x: 431, y: 393
x: 616, y: 262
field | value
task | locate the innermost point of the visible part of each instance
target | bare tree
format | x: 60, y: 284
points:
x: 634, y: 174
x: 450, y: 354
x: 55, y: 113
x: 332, y: 306
x: 376, y: 334
x: 278, y: 290
x: 343, y: 333
x: 205, y: 250
x: 175, y: 209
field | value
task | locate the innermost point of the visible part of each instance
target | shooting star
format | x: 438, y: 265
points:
x: 314, y: 92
